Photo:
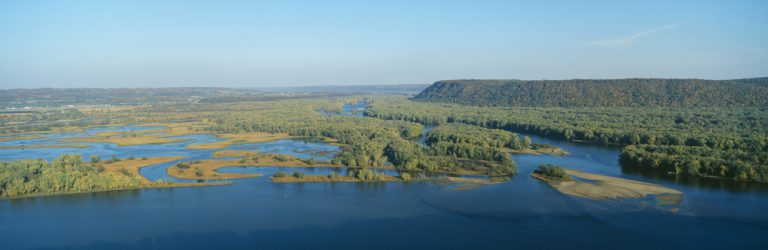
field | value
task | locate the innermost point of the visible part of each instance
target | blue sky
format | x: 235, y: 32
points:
x: 294, y: 43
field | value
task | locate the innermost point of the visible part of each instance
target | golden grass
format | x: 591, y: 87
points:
x: 102, y: 109
x: 22, y: 137
x: 46, y: 146
x: 122, y: 141
x: 209, y: 167
x: 239, y: 138
x: 179, y: 129
x: 234, y: 153
x: 603, y: 187
x: 140, y: 137
x: 133, y: 166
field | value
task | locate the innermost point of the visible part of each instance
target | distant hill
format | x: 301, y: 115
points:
x: 751, y: 92
x: 406, y: 89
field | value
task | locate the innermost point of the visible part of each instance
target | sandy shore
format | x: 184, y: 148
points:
x: 600, y: 187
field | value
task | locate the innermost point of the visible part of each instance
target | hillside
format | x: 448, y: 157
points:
x: 751, y: 92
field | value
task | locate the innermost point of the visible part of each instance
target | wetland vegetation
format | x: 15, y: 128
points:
x: 346, y: 142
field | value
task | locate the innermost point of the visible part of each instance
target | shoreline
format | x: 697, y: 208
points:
x: 174, y: 185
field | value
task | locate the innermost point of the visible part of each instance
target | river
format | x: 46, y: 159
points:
x: 257, y: 214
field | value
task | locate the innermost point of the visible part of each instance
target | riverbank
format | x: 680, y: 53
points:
x: 325, y: 178
x: 151, y: 186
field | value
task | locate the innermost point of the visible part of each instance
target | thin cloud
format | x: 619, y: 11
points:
x: 627, y: 41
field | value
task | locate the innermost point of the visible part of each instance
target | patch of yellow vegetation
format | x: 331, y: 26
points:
x: 122, y: 140
x: 239, y: 138
x: 602, y: 187
x: 179, y: 129
x: 234, y: 153
x: 69, y: 129
x: 22, y: 137
x: 141, y: 137
x: 46, y: 146
x: 134, y: 165
x: 208, y: 168
x: 95, y: 109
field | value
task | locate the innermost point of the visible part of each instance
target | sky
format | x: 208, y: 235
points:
x: 137, y: 43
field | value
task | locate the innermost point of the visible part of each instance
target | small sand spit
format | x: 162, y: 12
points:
x: 600, y: 187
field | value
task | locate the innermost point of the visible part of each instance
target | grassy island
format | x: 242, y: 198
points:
x: 207, y: 169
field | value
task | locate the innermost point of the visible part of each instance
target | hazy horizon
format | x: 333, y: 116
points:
x: 243, y: 44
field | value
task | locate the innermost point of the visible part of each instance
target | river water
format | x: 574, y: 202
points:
x: 257, y: 214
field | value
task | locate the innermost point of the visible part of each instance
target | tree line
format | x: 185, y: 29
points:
x: 67, y: 173
x: 749, y: 92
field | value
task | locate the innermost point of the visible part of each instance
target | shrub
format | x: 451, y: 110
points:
x: 182, y: 165
x: 280, y: 175
x: 280, y: 158
x: 298, y: 174
x: 406, y: 176
x: 199, y: 172
x: 144, y: 158
x: 551, y: 171
x: 125, y: 172
x: 95, y: 159
x: 130, y: 158
x: 309, y: 161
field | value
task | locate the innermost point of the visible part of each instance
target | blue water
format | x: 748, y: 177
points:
x: 257, y: 214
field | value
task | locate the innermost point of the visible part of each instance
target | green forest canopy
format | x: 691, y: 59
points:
x: 751, y: 92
